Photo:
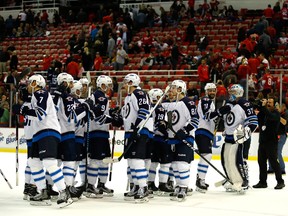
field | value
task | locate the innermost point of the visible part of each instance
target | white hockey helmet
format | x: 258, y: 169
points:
x: 132, y: 77
x: 103, y: 79
x: 84, y: 81
x: 76, y: 86
x: 155, y: 93
x: 235, y: 91
x: 64, y: 77
x: 40, y: 81
x: 210, y: 86
x: 179, y: 84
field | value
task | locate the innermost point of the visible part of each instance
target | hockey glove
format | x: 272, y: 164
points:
x: 114, y: 111
x: 224, y: 110
x: 239, y: 135
x: 89, y: 106
x: 23, y: 110
x: 162, y: 127
x: 181, y: 134
x: 117, y: 120
x: 134, y: 136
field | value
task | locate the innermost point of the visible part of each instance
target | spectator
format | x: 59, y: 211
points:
x: 81, y: 16
x: 98, y: 62
x: 71, y: 18
x: 203, y: 74
x: 266, y: 82
x: 147, y: 41
x: 11, y: 79
x: 4, y: 112
x: 86, y: 59
x: 111, y: 46
x: 190, y: 33
x: 4, y: 57
x: 14, y: 61
x: 73, y: 68
x: 282, y: 132
x: 192, y: 91
x: 268, y: 13
x: 149, y: 60
x: 56, y: 19
x: 121, y: 55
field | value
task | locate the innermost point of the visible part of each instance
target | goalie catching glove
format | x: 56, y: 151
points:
x: 241, y: 134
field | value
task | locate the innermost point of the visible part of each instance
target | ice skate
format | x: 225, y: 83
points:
x: 75, y: 193
x: 164, y: 189
x: 64, y: 198
x: 92, y: 192
x: 174, y: 194
x: 201, y: 186
x: 142, y: 195
x: 181, y: 196
x: 30, y: 190
x: 106, y: 191
x: 53, y: 194
x: 129, y: 196
x: 41, y: 199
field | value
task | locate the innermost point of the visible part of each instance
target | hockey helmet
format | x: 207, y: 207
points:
x: 235, y: 91
x: 64, y: 77
x: 210, y: 86
x: 179, y: 84
x: 40, y: 81
x: 106, y: 80
x: 134, y: 78
x: 84, y: 81
x: 76, y: 86
x: 155, y: 93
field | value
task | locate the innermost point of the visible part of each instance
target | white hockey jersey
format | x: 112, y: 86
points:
x: 242, y: 113
x: 43, y: 116
x: 136, y: 108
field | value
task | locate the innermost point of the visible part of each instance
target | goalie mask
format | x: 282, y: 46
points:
x: 210, y: 90
x: 155, y: 94
x: 104, y: 80
x: 77, y: 88
x: 235, y: 91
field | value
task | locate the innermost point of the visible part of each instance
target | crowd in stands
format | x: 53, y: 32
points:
x: 114, y: 39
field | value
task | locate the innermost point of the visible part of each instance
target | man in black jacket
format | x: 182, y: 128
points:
x: 269, y: 120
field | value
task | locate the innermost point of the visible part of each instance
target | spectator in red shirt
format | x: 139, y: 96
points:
x: 203, y: 74
x: 267, y: 82
x: 73, y: 68
x: 47, y: 60
x: 268, y: 13
x: 147, y: 41
x: 254, y: 63
x: 98, y: 62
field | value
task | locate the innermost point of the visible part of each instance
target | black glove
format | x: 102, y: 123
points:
x: 134, y: 136
x: 62, y: 88
x: 181, y: 134
x: 117, y: 119
x: 224, y: 110
x: 162, y: 127
x: 114, y: 111
x: 89, y: 106
x: 23, y: 110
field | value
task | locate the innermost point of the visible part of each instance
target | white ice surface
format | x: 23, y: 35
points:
x: 264, y: 202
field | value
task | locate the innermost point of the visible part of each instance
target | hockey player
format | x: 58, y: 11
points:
x: 204, y: 135
x: 239, y: 123
x: 45, y: 141
x: 68, y: 117
x: 85, y: 85
x: 99, y: 147
x: 136, y: 107
x: 184, y: 121
x: 161, y: 152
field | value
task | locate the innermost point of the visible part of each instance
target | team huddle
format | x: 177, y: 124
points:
x: 67, y: 134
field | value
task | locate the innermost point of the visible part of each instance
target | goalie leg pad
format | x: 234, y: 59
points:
x: 230, y: 155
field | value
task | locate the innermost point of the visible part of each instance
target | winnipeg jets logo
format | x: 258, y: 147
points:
x: 230, y: 119
x: 126, y: 110
x: 175, y: 117
x: 101, y: 98
x: 69, y: 98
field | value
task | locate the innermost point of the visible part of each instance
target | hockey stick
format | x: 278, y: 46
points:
x: 89, y: 80
x: 6, y: 179
x: 17, y: 145
x: 115, y: 160
x: 87, y: 149
x: 170, y: 127
x: 114, y: 132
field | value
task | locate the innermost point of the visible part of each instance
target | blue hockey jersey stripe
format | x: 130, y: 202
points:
x: 46, y: 133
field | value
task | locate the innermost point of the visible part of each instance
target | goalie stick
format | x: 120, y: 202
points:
x: 115, y: 160
x: 6, y: 179
x: 170, y: 127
